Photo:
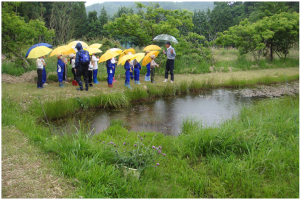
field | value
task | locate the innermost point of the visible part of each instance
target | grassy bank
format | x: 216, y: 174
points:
x: 254, y: 155
x: 61, y: 106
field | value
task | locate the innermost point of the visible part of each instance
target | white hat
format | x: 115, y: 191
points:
x: 152, y: 56
x: 57, y: 55
x: 113, y: 60
x: 71, y: 55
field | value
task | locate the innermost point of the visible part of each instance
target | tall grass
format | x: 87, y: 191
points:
x: 254, y: 155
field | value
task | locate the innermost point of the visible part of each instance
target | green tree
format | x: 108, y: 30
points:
x: 146, y: 25
x: 103, y: 19
x: 16, y: 33
x: 78, y: 19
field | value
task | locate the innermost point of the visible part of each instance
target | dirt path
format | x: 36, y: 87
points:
x: 27, y: 172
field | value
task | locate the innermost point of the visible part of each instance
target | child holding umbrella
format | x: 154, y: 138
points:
x: 153, y: 64
x: 60, y: 69
x: 127, y: 73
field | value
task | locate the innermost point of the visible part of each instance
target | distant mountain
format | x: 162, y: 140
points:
x: 112, y: 7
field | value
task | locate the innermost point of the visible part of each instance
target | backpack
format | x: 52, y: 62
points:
x: 84, y: 58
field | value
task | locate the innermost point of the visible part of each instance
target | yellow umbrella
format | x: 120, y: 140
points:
x: 139, y: 56
x: 93, y: 50
x: 60, y: 50
x: 152, y: 48
x: 126, y: 51
x: 39, y: 51
x: 126, y: 57
x: 115, y: 50
x: 96, y: 45
x: 84, y: 45
x: 147, y: 58
x: 108, y: 55
x: 71, y: 50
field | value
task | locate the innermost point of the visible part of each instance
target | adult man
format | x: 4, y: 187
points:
x: 82, y: 61
x: 170, y: 61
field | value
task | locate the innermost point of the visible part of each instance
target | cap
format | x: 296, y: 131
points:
x: 168, y: 42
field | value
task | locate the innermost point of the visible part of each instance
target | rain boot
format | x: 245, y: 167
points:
x: 114, y: 80
x: 76, y: 84
x: 61, y: 85
x: 138, y: 82
x: 96, y: 82
x: 73, y: 82
x: 146, y: 78
x: 80, y: 86
x: 128, y: 85
x: 86, y: 87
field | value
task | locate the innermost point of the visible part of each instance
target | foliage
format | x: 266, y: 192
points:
x: 146, y: 25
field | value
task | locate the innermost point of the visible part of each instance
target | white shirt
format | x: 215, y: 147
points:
x: 95, y: 62
x: 73, y: 63
x: 39, y: 64
x: 91, y: 66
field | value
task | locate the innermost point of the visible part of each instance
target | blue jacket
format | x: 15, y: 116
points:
x: 137, y: 66
x: 60, y: 66
x: 79, y: 48
x: 108, y: 66
x: 127, y: 66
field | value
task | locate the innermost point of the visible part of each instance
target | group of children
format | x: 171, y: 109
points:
x: 132, y: 71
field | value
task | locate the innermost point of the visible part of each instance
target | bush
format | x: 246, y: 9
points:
x: 52, y: 78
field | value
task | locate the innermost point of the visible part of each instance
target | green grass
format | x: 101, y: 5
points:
x: 255, y: 155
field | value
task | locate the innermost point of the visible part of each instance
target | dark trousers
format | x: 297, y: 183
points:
x: 152, y: 74
x: 90, y: 77
x: 73, y: 72
x: 83, y: 71
x: 169, y: 67
x: 44, y: 76
x: 40, y: 77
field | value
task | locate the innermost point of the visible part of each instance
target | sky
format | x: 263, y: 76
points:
x: 91, y: 2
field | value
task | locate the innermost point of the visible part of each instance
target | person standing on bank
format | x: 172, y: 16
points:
x: 82, y: 61
x: 44, y: 71
x: 95, y: 68
x: 170, y: 61
x: 60, y: 70
x: 39, y: 65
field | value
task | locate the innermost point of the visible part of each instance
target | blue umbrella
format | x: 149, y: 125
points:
x: 36, y: 45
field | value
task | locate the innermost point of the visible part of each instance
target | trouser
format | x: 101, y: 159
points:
x: 83, y: 71
x: 73, y: 72
x: 127, y: 76
x: 136, y: 74
x: 60, y: 76
x: 114, y: 69
x: 90, y: 77
x: 44, y: 76
x: 152, y: 74
x: 110, y: 78
x: 169, y: 67
x: 65, y: 73
x: 148, y: 70
x: 131, y: 75
x: 95, y: 72
x: 40, y: 76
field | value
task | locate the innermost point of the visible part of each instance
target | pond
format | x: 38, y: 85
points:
x: 162, y: 115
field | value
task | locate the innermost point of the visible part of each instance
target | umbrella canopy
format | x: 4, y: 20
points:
x: 39, y: 51
x: 147, y: 58
x: 165, y: 38
x: 93, y: 50
x: 37, y: 45
x: 126, y: 57
x: 126, y: 51
x: 96, y: 45
x: 115, y: 50
x: 60, y: 50
x: 139, y: 56
x: 108, y: 55
x: 71, y: 50
x: 84, y: 45
x: 152, y: 48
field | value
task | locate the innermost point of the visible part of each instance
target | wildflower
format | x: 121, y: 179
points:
x: 148, y: 141
x: 165, y: 154
x: 159, y: 151
x: 144, y: 135
x: 115, y: 145
x: 141, y: 138
x: 124, y: 143
x: 138, y: 135
x: 116, y: 150
x: 153, y: 147
x: 159, y: 147
x: 157, y: 164
x: 155, y: 135
x: 156, y: 148
x: 135, y: 145
x: 100, y: 140
x: 103, y: 142
x: 111, y: 143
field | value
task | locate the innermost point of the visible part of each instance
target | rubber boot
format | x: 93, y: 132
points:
x: 146, y: 78
x: 125, y: 84
x: 80, y: 86
x: 138, y: 82
x: 128, y: 85
x: 86, y: 87
x: 96, y: 81
x: 111, y: 85
x: 61, y: 85
x: 114, y: 81
x: 75, y: 83
x: 134, y: 81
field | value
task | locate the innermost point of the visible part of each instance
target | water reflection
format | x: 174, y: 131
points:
x: 164, y: 115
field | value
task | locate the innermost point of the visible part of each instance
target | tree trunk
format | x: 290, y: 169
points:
x: 271, y: 52
x: 19, y: 55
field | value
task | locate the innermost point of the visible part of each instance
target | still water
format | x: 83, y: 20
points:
x: 163, y: 115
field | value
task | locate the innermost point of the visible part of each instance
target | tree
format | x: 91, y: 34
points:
x: 16, y: 33
x: 78, y: 19
x: 103, y: 19
x: 146, y: 25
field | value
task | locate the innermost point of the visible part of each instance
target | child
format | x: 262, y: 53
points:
x: 153, y: 65
x: 127, y: 74
x: 60, y: 69
x: 72, y: 63
x: 113, y: 62
x: 109, y: 68
x: 44, y: 78
x: 147, y: 77
x: 91, y: 67
x: 137, y: 68
x: 95, y: 68
x: 39, y: 66
x: 65, y: 60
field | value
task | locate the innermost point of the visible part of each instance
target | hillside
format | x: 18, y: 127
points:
x: 112, y: 7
